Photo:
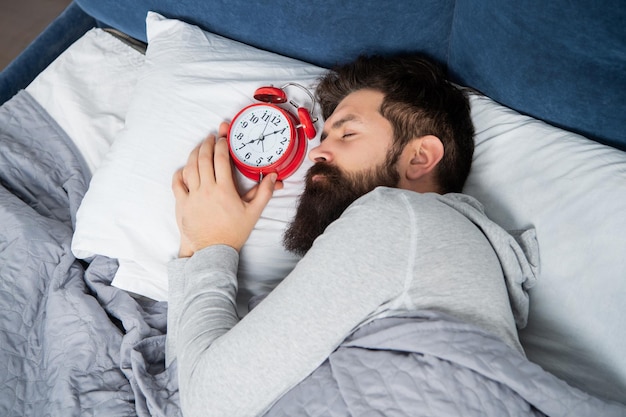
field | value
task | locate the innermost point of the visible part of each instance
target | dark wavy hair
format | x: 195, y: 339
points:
x: 419, y: 100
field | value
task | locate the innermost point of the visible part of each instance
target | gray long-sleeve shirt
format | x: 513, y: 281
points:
x: 391, y: 252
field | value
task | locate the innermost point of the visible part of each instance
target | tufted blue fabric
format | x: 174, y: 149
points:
x: 319, y: 32
x: 560, y: 61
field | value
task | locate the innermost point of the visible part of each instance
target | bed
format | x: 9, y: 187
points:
x: 108, y: 101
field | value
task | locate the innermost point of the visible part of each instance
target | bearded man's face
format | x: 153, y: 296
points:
x: 328, y: 192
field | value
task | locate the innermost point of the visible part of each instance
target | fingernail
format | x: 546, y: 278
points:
x: 273, y: 177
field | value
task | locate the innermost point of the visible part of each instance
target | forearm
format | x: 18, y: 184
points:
x: 202, y: 307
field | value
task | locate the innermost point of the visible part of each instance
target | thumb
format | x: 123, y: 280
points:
x: 263, y: 193
x: 178, y: 185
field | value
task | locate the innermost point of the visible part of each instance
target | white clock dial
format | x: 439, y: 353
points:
x: 260, y: 135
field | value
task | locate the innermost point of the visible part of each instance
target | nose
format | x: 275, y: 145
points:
x: 321, y: 153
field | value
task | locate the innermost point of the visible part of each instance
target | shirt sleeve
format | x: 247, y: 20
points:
x: 175, y: 298
x: 232, y: 367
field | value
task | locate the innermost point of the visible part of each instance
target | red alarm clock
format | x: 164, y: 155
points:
x: 265, y: 137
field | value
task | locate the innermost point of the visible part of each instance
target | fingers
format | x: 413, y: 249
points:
x: 200, y: 166
x: 206, y: 156
x: 263, y: 193
x: 223, y: 167
x: 190, y: 173
x: 251, y: 193
x: 222, y: 132
x: 178, y: 184
x: 213, y: 161
x: 249, y: 196
x: 209, y: 163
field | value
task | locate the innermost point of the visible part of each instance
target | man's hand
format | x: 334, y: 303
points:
x: 209, y: 210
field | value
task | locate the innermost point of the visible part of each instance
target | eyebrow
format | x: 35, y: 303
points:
x: 337, y: 124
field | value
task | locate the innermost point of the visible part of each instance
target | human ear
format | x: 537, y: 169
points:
x: 424, y: 155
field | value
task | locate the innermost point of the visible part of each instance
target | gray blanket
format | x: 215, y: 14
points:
x: 73, y: 345
x: 66, y: 334
x: 432, y: 365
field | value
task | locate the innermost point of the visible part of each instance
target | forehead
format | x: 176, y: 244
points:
x: 362, y: 106
x: 361, y: 101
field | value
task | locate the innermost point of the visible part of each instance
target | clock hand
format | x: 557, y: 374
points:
x: 272, y: 133
x: 261, y: 139
x: 247, y: 143
x: 267, y: 122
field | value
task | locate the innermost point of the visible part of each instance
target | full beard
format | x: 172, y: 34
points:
x: 327, y: 194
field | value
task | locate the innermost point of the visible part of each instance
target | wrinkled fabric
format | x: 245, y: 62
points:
x: 67, y: 335
x: 433, y: 365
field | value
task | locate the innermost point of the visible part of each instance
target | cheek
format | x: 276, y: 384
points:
x: 362, y: 157
x: 373, y: 153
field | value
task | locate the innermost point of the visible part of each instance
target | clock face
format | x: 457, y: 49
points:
x: 261, y: 135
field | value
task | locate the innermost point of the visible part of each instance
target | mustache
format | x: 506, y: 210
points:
x: 331, y: 172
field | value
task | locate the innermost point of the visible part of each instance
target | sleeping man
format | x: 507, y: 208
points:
x: 381, y: 226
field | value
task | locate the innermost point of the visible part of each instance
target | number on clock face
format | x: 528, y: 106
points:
x: 260, y: 135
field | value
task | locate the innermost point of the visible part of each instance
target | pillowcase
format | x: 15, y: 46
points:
x: 191, y: 81
x: 87, y: 91
x: 573, y: 190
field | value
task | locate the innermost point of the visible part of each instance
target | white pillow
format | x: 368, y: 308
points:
x: 87, y: 90
x: 573, y: 190
x: 192, y: 80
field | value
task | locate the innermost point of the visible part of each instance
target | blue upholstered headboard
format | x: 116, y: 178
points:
x: 560, y: 61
